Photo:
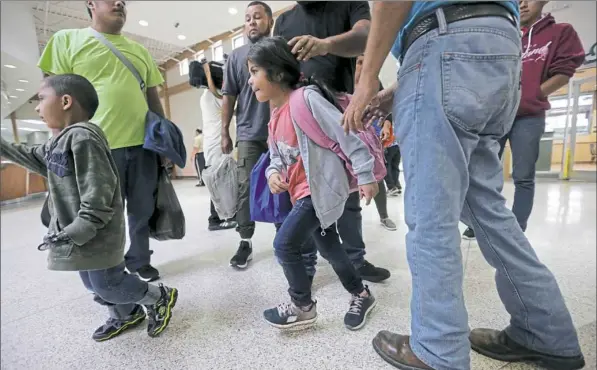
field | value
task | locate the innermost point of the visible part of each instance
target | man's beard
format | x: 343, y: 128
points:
x: 258, y: 37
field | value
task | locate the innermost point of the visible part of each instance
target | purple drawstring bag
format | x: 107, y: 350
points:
x: 265, y: 206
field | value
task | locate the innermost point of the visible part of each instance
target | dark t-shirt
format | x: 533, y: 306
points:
x: 325, y: 19
x: 251, y: 116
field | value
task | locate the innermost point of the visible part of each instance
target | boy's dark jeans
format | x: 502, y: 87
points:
x: 300, y: 225
x: 138, y: 173
x: 525, y: 137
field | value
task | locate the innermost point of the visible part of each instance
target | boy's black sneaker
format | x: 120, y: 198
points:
x: 243, y: 255
x: 469, y: 234
x: 373, y: 274
x: 224, y: 225
x: 160, y: 313
x: 114, y: 327
x: 360, y: 307
x: 148, y: 273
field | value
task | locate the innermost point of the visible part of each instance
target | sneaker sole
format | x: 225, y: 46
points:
x: 544, y: 361
x: 389, y: 228
x: 148, y: 280
x: 125, y: 327
x: 171, y: 304
x: 365, y: 317
x: 245, y: 265
x: 469, y: 238
x: 305, y: 324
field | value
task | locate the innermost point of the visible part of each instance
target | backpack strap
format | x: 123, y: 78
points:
x: 302, y: 115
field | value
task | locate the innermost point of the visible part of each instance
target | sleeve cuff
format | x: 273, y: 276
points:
x: 80, y: 231
x: 366, y: 178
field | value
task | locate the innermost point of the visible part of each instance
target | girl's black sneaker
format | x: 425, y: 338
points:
x: 360, y: 307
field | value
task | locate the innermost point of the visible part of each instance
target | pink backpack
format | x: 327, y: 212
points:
x: 305, y: 120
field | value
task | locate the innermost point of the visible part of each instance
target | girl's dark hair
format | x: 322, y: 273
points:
x: 78, y: 87
x: 275, y: 56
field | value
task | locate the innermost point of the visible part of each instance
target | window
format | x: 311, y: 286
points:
x: 238, y: 41
x: 556, y: 116
x: 217, y: 51
x: 183, y: 67
x: 200, y: 55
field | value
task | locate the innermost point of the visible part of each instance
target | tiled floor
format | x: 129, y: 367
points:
x: 47, y: 317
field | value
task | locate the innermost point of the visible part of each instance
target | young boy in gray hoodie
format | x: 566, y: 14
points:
x: 87, y: 228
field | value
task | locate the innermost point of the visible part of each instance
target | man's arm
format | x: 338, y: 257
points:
x: 388, y: 18
x: 348, y: 44
x: 569, y: 55
x: 153, y: 101
x: 97, y: 183
x: 230, y: 89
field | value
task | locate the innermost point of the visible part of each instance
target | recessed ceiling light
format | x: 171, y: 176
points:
x: 10, y: 66
x: 232, y: 11
x: 144, y: 23
x: 13, y: 97
x: 24, y: 81
x: 182, y: 37
x: 19, y: 89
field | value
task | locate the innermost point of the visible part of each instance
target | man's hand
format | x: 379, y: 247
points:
x: 277, y: 184
x: 226, y: 143
x: 306, y: 47
x: 369, y: 191
x: 355, y: 112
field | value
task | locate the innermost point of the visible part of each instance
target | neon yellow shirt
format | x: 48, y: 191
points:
x: 122, y: 104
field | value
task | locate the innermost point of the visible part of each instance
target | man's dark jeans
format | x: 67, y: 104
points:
x: 392, y: 155
x: 138, y: 172
x: 525, y: 137
x: 300, y: 226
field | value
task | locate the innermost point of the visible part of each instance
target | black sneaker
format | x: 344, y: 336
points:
x: 360, y: 307
x: 373, y: 274
x: 289, y: 315
x: 243, y: 255
x: 114, y: 327
x: 160, y: 313
x: 148, y: 273
x: 469, y: 234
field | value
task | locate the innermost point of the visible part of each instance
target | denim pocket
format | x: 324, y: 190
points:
x: 477, y: 87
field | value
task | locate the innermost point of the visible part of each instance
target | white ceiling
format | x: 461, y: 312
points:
x: 13, y: 82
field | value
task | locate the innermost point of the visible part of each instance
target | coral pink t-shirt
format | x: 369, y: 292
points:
x: 283, y: 136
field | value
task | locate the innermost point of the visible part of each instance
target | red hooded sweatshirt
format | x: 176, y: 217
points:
x: 548, y: 49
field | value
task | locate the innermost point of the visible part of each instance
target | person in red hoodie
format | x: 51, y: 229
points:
x: 551, y: 53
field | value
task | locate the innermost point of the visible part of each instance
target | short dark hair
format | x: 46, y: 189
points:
x: 78, y: 87
x: 198, y: 131
x: 266, y: 7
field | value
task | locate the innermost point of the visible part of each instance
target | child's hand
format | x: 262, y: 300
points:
x: 368, y: 191
x: 277, y: 184
x: 386, y: 131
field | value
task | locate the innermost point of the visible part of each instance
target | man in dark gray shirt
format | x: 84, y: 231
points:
x: 252, y: 118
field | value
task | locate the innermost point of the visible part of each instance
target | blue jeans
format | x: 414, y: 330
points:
x: 350, y: 228
x: 525, y: 137
x: 138, y: 172
x: 458, y: 95
x: 301, y: 226
x: 118, y: 290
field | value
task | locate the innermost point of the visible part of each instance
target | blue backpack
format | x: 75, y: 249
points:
x: 265, y: 206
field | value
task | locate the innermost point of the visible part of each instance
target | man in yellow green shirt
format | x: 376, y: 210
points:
x: 121, y: 112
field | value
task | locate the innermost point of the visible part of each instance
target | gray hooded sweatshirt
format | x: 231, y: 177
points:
x: 84, y: 196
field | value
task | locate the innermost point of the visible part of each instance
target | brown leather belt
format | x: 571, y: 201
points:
x: 455, y: 13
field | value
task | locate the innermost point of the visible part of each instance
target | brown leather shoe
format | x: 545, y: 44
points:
x: 395, y: 350
x: 498, y: 346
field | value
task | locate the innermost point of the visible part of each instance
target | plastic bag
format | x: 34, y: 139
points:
x: 265, y: 206
x: 167, y: 221
x: 221, y: 181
